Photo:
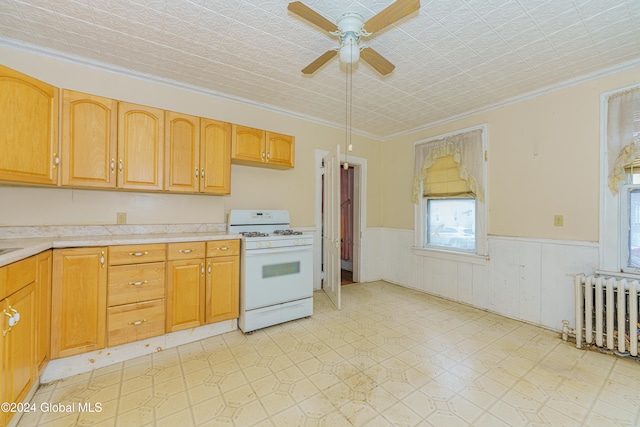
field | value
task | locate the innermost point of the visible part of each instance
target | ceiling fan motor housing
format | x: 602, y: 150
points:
x: 350, y: 23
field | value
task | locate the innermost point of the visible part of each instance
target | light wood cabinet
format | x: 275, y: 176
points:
x: 89, y: 140
x: 29, y: 113
x: 78, y: 301
x: 215, y: 157
x: 135, y: 292
x: 18, y: 365
x: 222, y: 287
x: 140, y: 147
x: 247, y: 145
x: 182, y: 152
x: 255, y: 147
x: 185, y: 285
x: 185, y: 294
x: 280, y: 150
x: 43, y: 301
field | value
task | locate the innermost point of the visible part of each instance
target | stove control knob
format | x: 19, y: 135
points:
x: 304, y: 242
x: 259, y: 244
x: 295, y: 242
x: 268, y: 244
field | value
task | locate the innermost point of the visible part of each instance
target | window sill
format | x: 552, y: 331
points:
x: 452, y: 256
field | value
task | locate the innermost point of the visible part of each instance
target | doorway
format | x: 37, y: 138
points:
x: 357, y: 174
x: 346, y: 224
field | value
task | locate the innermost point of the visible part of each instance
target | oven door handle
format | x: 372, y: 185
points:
x: 253, y: 252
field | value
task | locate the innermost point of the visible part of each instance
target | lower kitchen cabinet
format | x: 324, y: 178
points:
x: 78, y: 301
x: 222, y: 288
x: 133, y: 322
x: 185, y: 294
x: 185, y: 285
x: 18, y: 370
x: 43, y: 302
x: 136, y: 290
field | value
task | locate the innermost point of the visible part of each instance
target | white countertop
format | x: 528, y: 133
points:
x: 32, y: 245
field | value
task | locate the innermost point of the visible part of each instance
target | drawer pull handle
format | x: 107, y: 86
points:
x: 137, y: 322
x: 223, y: 248
x: 137, y: 283
x: 185, y: 251
x: 138, y: 253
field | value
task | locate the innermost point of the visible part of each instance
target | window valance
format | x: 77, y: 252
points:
x: 623, y: 136
x: 465, y: 148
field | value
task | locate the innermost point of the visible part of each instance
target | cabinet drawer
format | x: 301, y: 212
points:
x: 136, y: 254
x: 223, y: 248
x: 188, y: 250
x: 135, y: 283
x: 16, y: 276
x: 133, y: 322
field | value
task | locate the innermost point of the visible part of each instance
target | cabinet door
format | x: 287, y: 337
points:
x: 185, y: 294
x: 89, y: 131
x: 215, y: 157
x: 29, y: 114
x: 182, y: 153
x: 78, y: 301
x: 247, y: 145
x: 222, y: 296
x: 19, y: 344
x: 280, y: 150
x: 43, y: 300
x: 140, y: 147
x: 3, y: 371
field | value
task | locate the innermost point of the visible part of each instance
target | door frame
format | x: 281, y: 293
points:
x: 359, y: 214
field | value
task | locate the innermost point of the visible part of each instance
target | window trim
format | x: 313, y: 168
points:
x: 481, y: 253
x: 611, y: 238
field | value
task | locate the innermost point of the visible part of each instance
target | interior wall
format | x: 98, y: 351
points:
x: 251, y: 187
x: 543, y: 160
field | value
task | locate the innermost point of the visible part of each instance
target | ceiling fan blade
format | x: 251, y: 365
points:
x: 377, y: 61
x: 312, y: 16
x: 398, y: 9
x: 323, y: 59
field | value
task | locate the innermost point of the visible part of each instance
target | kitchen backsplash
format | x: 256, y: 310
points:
x: 24, y: 232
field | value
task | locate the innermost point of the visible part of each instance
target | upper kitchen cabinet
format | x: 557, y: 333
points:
x: 198, y: 154
x: 280, y: 150
x: 255, y: 147
x: 140, y: 147
x: 29, y: 112
x: 89, y: 132
x: 182, y: 152
x: 215, y: 157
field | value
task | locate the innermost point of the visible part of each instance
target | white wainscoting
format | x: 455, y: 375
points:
x: 524, y: 279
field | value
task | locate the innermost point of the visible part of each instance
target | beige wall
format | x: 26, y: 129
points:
x: 544, y: 160
x: 251, y: 187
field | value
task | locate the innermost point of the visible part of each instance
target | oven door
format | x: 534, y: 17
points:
x: 277, y: 275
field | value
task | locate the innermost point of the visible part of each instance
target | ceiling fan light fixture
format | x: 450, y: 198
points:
x: 349, y: 51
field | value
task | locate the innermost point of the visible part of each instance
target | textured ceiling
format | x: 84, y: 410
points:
x: 452, y: 57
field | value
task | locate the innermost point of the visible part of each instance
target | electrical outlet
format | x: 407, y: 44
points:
x: 121, y: 218
x: 558, y: 220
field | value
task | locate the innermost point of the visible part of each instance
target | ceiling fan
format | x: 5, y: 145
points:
x: 349, y: 28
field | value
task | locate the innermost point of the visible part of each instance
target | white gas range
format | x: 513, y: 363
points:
x: 277, y: 273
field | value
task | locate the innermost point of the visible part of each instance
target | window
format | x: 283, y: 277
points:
x: 448, y: 192
x: 620, y: 241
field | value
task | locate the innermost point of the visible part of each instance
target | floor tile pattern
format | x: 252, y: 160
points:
x: 392, y: 356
